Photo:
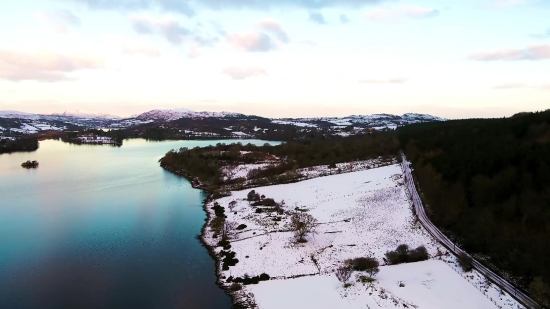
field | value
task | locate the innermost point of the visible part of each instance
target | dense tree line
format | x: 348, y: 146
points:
x: 20, y: 144
x: 205, y: 162
x: 487, y: 182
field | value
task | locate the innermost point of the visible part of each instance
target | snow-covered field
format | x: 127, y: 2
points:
x: 428, y: 284
x: 34, y: 127
x: 362, y: 213
x: 242, y: 170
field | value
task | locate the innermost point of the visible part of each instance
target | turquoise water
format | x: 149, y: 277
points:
x: 102, y: 227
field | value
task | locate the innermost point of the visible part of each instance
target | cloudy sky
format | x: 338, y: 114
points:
x: 277, y: 58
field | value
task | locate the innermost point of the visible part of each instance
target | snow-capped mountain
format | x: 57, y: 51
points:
x: 85, y: 114
x: 177, y: 113
x: 16, y: 114
x: 377, y: 121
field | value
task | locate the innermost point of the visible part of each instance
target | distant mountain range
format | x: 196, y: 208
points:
x: 85, y: 114
x: 83, y: 118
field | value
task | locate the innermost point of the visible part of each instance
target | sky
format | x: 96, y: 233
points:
x: 276, y: 58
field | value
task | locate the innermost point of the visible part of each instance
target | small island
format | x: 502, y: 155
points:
x: 30, y: 164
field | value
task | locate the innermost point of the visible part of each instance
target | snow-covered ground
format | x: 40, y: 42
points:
x: 242, y: 170
x: 295, y: 123
x: 428, y: 284
x: 34, y: 127
x: 44, y: 127
x: 362, y: 213
x: 25, y: 129
x: 17, y: 114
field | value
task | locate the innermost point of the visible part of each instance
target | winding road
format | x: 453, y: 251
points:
x: 435, y: 232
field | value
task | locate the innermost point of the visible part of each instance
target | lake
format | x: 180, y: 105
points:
x: 103, y: 227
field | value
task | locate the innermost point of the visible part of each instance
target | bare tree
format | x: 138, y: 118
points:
x: 232, y: 205
x: 230, y: 171
x: 343, y: 273
x: 228, y: 229
x: 279, y: 207
x: 302, y: 224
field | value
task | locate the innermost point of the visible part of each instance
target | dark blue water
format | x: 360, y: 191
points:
x: 102, y: 227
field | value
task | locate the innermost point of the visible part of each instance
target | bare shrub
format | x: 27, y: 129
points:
x: 343, y: 273
x: 232, y: 205
x: 302, y: 224
x: 465, y: 261
x: 228, y: 229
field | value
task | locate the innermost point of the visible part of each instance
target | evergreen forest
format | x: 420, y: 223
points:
x: 486, y: 182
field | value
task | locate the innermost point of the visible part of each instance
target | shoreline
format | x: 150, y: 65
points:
x: 195, y: 184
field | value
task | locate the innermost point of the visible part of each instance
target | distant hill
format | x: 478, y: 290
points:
x: 377, y: 121
x: 178, y: 113
x: 16, y: 114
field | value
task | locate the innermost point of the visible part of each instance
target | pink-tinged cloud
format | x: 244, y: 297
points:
x: 419, y: 12
x: 251, y: 41
x: 394, y: 80
x: 396, y: 14
x: 43, y: 66
x: 194, y: 52
x: 273, y: 26
x: 535, y: 52
x: 240, y: 73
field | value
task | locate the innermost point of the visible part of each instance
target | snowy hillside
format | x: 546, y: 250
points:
x: 377, y: 121
x: 363, y: 213
x: 16, y: 114
x: 174, y: 114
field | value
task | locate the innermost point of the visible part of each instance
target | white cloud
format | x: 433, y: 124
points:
x: 60, y: 21
x: 393, y: 80
x: 240, y: 73
x: 399, y: 13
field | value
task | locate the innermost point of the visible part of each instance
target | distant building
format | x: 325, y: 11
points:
x: 93, y: 139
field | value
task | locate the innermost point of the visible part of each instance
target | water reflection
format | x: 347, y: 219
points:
x: 102, y: 227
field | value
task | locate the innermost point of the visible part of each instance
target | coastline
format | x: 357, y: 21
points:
x: 238, y: 300
x: 196, y: 184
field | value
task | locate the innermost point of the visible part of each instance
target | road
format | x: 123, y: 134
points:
x: 432, y: 229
